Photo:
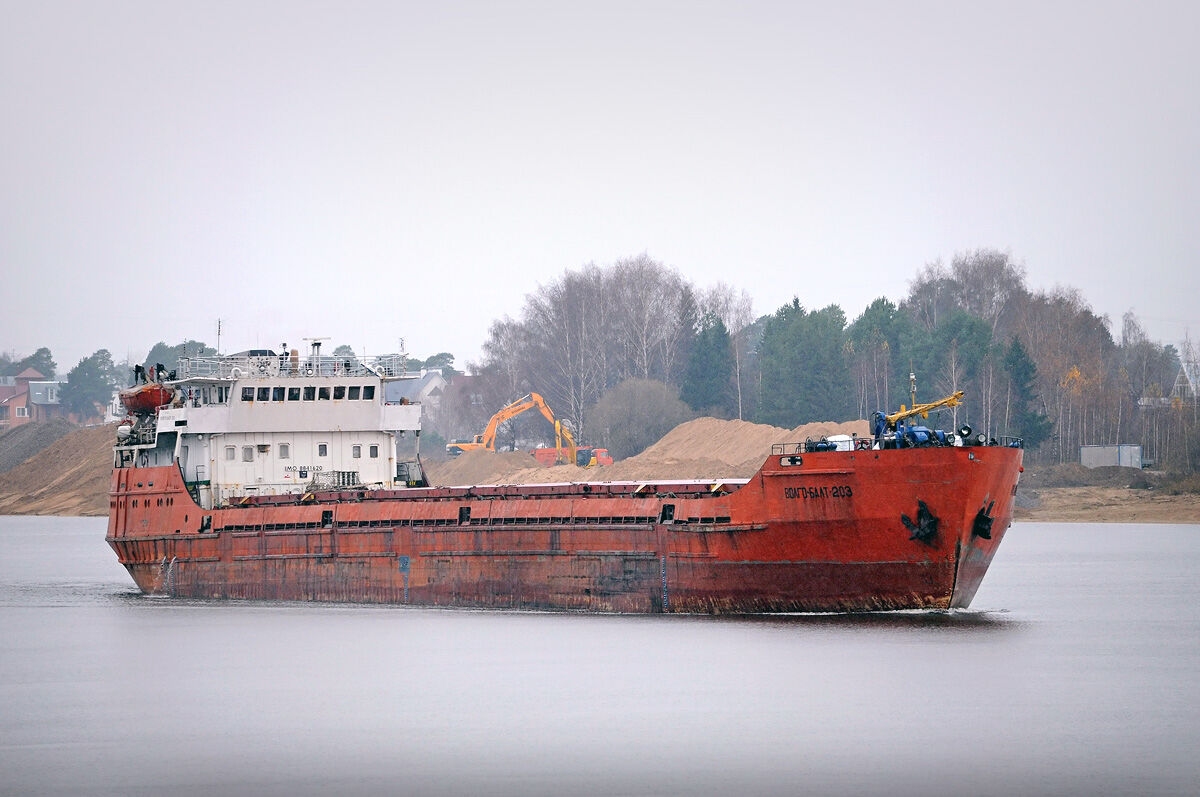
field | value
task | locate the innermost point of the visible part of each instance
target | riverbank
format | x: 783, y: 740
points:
x: 1108, y: 505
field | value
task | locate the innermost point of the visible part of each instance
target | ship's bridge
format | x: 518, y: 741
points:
x: 261, y: 423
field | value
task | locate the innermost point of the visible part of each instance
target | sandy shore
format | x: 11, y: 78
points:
x: 1110, y: 505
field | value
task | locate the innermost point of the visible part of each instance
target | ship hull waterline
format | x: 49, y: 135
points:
x: 837, y: 532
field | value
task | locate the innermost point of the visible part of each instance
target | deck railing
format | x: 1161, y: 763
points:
x: 386, y: 366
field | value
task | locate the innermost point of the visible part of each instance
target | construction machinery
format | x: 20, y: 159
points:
x: 564, y: 442
x: 892, y: 431
x: 585, y: 456
x: 922, y: 409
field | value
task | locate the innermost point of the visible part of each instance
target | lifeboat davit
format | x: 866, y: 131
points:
x: 147, y: 398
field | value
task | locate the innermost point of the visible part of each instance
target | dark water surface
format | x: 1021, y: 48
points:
x: 1076, y: 672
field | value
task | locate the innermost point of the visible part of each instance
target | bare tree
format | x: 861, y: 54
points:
x: 736, y: 311
x: 986, y: 281
x: 931, y: 294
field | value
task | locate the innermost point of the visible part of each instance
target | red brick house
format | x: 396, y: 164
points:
x: 27, y: 397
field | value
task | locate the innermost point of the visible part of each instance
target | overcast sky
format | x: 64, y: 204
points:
x: 371, y: 171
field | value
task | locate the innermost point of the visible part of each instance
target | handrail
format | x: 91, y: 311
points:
x: 387, y: 366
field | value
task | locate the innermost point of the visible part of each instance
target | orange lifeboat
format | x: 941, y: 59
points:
x: 147, y: 398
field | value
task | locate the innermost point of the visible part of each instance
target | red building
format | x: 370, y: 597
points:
x: 29, y: 397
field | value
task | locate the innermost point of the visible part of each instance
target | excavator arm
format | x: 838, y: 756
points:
x: 488, y: 438
x: 523, y: 404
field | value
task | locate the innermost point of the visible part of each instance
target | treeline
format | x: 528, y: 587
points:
x: 625, y: 351
x: 1040, y: 365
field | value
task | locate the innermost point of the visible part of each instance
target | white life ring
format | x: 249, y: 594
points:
x: 235, y: 372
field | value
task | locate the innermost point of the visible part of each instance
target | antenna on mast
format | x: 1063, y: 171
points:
x: 314, y: 358
x: 315, y: 344
x: 218, y: 337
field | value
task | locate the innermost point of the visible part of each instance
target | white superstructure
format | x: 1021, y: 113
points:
x: 260, y: 423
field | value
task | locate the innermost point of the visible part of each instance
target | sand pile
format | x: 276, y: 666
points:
x: 22, y: 442
x: 704, y: 448
x: 478, y: 467
x: 819, y: 429
x: 727, y: 442
x: 71, y: 476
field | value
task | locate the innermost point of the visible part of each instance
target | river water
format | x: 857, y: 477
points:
x: 1077, y: 671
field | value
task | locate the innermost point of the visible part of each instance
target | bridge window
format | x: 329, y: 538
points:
x: 354, y: 392
x: 247, y: 394
x: 285, y: 451
x: 264, y: 394
x: 339, y: 391
x: 323, y: 394
x: 374, y: 452
x: 293, y: 394
x: 247, y: 453
x: 230, y: 453
x: 276, y: 394
x: 310, y: 393
x: 368, y: 392
x: 356, y: 451
x: 322, y: 449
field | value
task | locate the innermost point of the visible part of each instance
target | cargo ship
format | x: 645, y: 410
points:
x: 273, y: 476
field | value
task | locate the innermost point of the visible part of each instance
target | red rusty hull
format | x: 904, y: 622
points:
x: 826, y: 535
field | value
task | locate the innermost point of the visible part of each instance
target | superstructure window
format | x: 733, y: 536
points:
x: 354, y: 390
x: 264, y: 394
x: 310, y: 393
x: 339, y: 392
x: 247, y: 453
x: 374, y: 452
x: 285, y: 451
x: 293, y: 394
x: 356, y: 451
x: 322, y: 449
x: 230, y: 453
x: 323, y: 394
x: 247, y: 394
x: 368, y: 392
x: 276, y: 394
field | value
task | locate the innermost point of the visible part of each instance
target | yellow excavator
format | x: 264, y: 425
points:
x: 565, y: 453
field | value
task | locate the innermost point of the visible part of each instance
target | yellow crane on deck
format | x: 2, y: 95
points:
x: 922, y: 409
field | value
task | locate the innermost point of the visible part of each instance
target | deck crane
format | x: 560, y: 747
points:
x: 530, y: 401
x: 893, y: 425
x: 922, y: 409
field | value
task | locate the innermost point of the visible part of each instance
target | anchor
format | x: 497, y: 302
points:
x: 983, y: 522
x: 926, y: 526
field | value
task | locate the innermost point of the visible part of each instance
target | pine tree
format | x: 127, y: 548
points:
x: 708, y: 379
x: 90, y: 383
x: 803, y: 365
x: 1026, y: 420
